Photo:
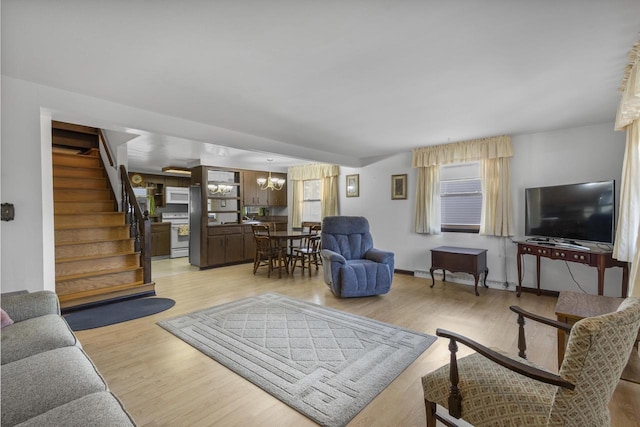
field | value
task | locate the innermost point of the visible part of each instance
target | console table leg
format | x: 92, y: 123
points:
x: 538, y: 273
x: 433, y: 280
x: 486, y: 273
x: 519, y: 262
x: 476, y: 276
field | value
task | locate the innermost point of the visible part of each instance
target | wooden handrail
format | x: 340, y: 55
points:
x: 105, y: 144
x: 140, y: 226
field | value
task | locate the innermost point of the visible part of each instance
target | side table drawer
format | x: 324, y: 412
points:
x: 579, y: 257
x: 535, y: 250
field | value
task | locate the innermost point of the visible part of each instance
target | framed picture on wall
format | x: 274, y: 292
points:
x: 398, y: 187
x: 353, y: 185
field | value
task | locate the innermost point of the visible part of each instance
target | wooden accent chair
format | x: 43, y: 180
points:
x: 490, y: 388
x: 309, y: 251
x: 268, y: 251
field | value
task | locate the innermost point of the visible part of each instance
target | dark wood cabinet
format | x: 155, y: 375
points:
x: 160, y: 239
x: 253, y: 195
x: 225, y: 245
x: 249, y: 243
x: 278, y: 197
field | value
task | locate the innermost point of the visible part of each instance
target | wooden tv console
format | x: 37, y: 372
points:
x: 595, y: 258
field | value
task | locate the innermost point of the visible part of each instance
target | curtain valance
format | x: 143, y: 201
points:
x: 314, y: 171
x: 463, y: 151
x: 629, y: 107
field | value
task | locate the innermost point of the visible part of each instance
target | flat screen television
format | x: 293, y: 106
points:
x: 572, y: 212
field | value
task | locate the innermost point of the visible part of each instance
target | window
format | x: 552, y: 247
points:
x: 311, y: 209
x: 460, y: 197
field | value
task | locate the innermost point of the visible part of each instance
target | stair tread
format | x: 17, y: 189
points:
x: 90, y: 257
x: 85, y: 242
x: 99, y: 291
x: 88, y: 227
x: 97, y: 273
x: 90, y: 213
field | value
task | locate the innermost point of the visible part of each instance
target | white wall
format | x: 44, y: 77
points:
x: 572, y: 155
x: 565, y: 156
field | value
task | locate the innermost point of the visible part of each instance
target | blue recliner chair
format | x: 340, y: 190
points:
x: 352, y: 266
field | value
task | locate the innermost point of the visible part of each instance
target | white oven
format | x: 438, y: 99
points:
x: 176, y: 195
x: 179, y: 233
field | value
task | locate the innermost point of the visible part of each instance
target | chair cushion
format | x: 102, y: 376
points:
x: 362, y: 277
x: 96, y: 410
x: 491, y: 394
x: 35, y: 335
x: 37, y: 384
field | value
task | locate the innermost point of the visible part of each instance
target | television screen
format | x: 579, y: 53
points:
x: 574, y: 212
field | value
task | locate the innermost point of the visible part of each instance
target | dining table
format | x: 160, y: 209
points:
x: 288, y: 237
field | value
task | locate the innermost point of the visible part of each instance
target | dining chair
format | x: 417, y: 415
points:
x: 309, y: 250
x: 492, y: 388
x: 268, y: 250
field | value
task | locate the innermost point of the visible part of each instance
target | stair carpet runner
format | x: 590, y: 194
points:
x: 94, y: 254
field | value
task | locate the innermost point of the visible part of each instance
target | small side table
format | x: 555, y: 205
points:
x: 463, y: 260
x: 574, y: 306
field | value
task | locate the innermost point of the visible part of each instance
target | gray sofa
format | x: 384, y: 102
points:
x: 47, y: 378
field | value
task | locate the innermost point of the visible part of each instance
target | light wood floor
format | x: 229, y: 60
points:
x: 163, y: 381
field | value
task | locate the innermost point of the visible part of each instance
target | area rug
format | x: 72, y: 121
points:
x: 325, y: 363
x: 117, y: 312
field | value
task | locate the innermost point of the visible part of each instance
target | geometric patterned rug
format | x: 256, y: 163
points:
x: 325, y: 363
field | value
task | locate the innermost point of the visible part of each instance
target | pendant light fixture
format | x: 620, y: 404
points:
x: 270, y: 183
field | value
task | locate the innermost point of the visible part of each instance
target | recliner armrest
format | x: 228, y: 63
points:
x: 29, y: 305
x: 332, y: 256
x: 378, y: 255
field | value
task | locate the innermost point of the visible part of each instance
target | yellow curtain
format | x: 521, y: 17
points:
x: 628, y: 118
x: 427, y: 210
x: 497, y: 216
x: 328, y: 174
x: 297, y: 194
x: 329, y: 201
x: 497, y: 213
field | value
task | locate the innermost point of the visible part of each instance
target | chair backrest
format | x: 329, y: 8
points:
x: 596, y: 354
x: 347, y: 235
x: 261, y: 229
x: 262, y: 237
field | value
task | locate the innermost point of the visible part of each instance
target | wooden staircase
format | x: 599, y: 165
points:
x: 96, y: 260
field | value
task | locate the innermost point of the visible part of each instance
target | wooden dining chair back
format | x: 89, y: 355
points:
x: 267, y: 251
x: 309, y: 251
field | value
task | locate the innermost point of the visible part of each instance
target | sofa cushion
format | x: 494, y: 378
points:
x: 101, y: 409
x: 33, y: 336
x: 37, y: 384
x: 22, y: 305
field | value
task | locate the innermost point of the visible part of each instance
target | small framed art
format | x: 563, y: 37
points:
x: 398, y: 187
x: 353, y: 185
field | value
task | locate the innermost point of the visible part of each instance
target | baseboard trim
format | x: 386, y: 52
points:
x: 544, y: 292
x: 409, y: 272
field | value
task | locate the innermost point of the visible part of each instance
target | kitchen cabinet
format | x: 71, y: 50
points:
x: 253, y: 195
x: 225, y: 245
x: 249, y: 243
x: 160, y: 239
x: 278, y: 197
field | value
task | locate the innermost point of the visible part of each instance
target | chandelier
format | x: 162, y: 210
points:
x: 270, y: 183
x: 219, y: 189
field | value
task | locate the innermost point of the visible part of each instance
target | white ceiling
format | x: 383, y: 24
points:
x: 356, y: 80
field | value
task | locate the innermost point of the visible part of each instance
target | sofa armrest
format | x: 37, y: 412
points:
x: 29, y: 305
x: 378, y: 255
